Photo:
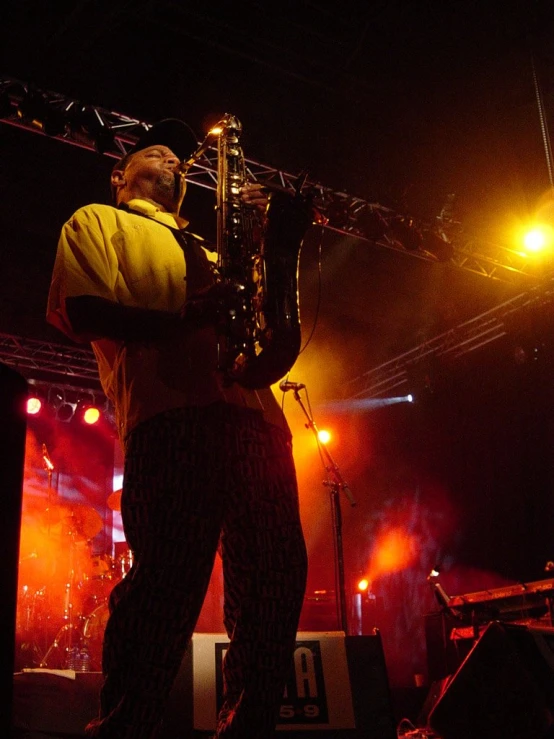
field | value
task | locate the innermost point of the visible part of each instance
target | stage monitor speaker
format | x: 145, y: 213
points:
x: 504, y: 689
x: 444, y: 654
x: 338, y: 689
x: 13, y: 395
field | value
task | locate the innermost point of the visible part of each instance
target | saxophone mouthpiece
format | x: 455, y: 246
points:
x: 183, y: 167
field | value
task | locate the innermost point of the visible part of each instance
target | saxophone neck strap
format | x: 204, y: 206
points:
x: 182, y: 235
x: 199, y: 269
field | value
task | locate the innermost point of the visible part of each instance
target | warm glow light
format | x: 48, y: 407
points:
x: 363, y: 585
x: 535, y: 240
x: 91, y: 415
x: 324, y: 436
x: 34, y: 405
x: 394, y: 550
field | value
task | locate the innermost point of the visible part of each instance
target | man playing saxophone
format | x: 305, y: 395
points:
x: 208, y: 463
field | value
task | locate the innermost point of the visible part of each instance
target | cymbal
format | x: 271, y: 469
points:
x: 55, y: 513
x: 114, y: 501
x: 75, y: 520
x: 85, y: 521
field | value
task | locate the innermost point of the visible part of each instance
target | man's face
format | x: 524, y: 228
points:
x: 150, y: 174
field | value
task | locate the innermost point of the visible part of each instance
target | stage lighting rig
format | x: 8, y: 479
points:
x: 113, y: 134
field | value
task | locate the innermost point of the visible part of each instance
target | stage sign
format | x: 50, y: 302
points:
x: 317, y: 693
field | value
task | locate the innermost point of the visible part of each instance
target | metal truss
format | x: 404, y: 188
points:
x: 76, y: 367
x: 40, y: 360
x: 113, y: 134
x: 393, y: 376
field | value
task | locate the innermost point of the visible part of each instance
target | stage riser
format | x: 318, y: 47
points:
x: 337, y: 689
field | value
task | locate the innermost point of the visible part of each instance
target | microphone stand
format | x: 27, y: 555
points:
x: 49, y: 468
x: 335, y: 483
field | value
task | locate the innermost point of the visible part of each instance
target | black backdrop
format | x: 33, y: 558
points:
x: 466, y: 472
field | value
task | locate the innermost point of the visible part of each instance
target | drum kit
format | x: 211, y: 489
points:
x: 63, y: 593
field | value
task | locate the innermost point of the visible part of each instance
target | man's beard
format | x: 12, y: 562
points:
x: 168, y: 186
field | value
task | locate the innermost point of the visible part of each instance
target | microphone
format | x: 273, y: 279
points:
x: 285, y: 386
x: 46, y: 458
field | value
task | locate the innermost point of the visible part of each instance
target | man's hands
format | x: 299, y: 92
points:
x: 211, y: 306
x: 252, y: 194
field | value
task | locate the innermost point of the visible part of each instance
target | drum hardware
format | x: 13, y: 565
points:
x: 98, y: 582
x: 63, y: 647
x: 78, y: 643
x: 64, y: 639
x: 76, y: 523
x: 76, y: 520
x: 93, y: 634
x: 125, y: 563
x: 54, y: 576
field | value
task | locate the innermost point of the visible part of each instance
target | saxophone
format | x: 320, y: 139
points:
x: 259, y: 337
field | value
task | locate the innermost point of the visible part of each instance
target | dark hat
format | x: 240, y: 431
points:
x: 171, y: 132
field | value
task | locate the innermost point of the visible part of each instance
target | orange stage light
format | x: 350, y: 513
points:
x: 324, y: 436
x: 395, y: 550
x: 91, y: 415
x: 363, y: 585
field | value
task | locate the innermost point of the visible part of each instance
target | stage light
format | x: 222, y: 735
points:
x: 10, y: 96
x: 35, y: 108
x: 91, y: 415
x: 405, y: 231
x: 536, y: 240
x: 363, y: 585
x: 31, y: 107
x: 324, y: 436
x: 70, y: 404
x: 98, y: 130
x: 56, y: 397
x: 371, y: 224
x: 57, y: 400
x: 84, y: 119
x: 66, y: 411
x: 34, y: 404
x: 36, y: 399
x: 436, y: 246
x: 87, y: 410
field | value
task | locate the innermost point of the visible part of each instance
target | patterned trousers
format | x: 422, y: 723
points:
x: 195, y: 479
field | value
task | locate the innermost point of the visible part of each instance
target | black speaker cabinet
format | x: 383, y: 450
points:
x: 337, y: 689
x: 504, y: 689
x: 444, y: 654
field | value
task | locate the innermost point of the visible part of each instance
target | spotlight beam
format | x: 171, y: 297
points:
x: 364, y: 404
